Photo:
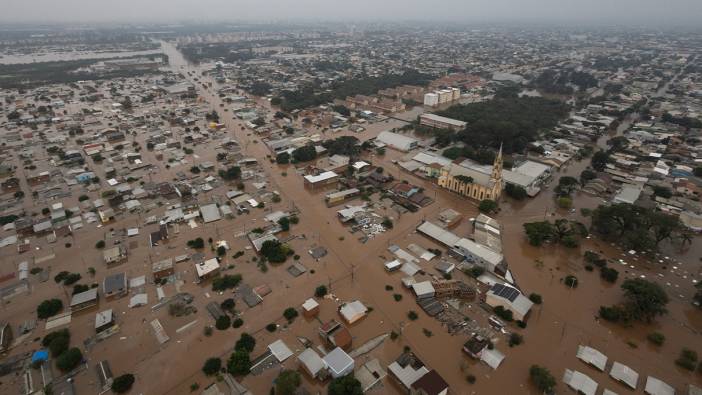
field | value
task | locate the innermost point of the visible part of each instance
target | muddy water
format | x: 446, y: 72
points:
x: 566, y: 319
x: 70, y: 55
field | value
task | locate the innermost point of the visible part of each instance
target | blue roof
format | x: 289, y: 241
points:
x: 41, y: 355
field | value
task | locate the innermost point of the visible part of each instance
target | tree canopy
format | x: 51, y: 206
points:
x: 542, y: 378
x: 507, y: 119
x: 635, y: 227
x: 347, y: 385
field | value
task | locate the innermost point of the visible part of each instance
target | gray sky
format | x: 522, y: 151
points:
x: 603, y: 11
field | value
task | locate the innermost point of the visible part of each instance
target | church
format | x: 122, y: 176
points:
x: 473, y: 180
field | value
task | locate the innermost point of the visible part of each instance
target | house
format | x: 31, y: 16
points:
x: 114, y: 255
x: 115, y: 286
x: 84, y: 300
x: 210, y: 213
x: 369, y: 374
x: 624, y: 374
x: 475, y: 346
x: 162, y: 269
x: 396, y: 141
x: 579, y: 382
x: 310, y: 308
x: 510, y: 299
x: 207, y: 269
x: 592, y: 357
x: 429, y: 384
x: 335, y: 335
x: 104, y: 320
x: 655, y: 386
x: 311, y: 363
x: 407, y: 370
x: 339, y: 363
x: 423, y: 290
x: 321, y: 180
x: 353, y: 311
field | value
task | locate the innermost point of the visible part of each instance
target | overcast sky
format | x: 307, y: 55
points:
x: 601, y: 11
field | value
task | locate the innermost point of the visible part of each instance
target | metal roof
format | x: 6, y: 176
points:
x: 655, y: 386
x: 580, y: 382
x: 624, y: 374
x: 593, y: 357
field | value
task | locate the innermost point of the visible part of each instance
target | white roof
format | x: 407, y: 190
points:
x: 338, y: 360
x: 580, y: 382
x: 492, y: 358
x: 439, y: 118
x: 396, y: 140
x: 655, y: 386
x: 624, y: 374
x: 103, y: 318
x: 321, y: 177
x: 392, y: 264
x: 480, y: 251
x: 310, y: 304
x: 410, y: 268
x: 407, y: 375
x: 423, y: 288
x: 280, y: 350
x: 206, y: 267
x: 593, y: 357
x: 313, y: 363
x: 438, y: 233
x: 609, y: 392
x: 353, y: 311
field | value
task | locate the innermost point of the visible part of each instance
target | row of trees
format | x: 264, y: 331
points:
x: 561, y: 231
x: 636, y: 227
x: 312, y: 95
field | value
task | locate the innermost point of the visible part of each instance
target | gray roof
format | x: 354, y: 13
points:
x: 115, y: 283
x: 580, y: 382
x: 624, y: 374
x: 210, y: 213
x: 83, y: 297
x: 593, y: 357
x: 655, y: 386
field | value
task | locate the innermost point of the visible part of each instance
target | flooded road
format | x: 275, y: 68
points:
x: 566, y: 319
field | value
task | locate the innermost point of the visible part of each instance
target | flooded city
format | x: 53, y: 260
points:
x: 348, y: 208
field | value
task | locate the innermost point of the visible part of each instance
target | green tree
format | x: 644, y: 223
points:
x: 232, y: 173
x: 246, y: 343
x: 542, y: 378
x: 643, y: 299
x: 212, y: 366
x: 566, y: 185
x: 284, y: 223
x: 282, y: 158
x: 290, y: 314
x: 347, y: 385
x: 539, y: 232
x: 599, y: 160
x: 68, y: 360
x: 239, y: 363
x: 49, y: 308
x: 487, y: 206
x: 223, y: 322
x: 123, y: 383
x: 287, y: 382
x: 305, y: 153
x: 320, y: 291
x: 516, y: 192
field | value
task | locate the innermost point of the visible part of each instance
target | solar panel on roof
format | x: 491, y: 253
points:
x: 508, y: 293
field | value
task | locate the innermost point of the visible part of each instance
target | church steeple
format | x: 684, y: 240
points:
x: 497, y: 166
